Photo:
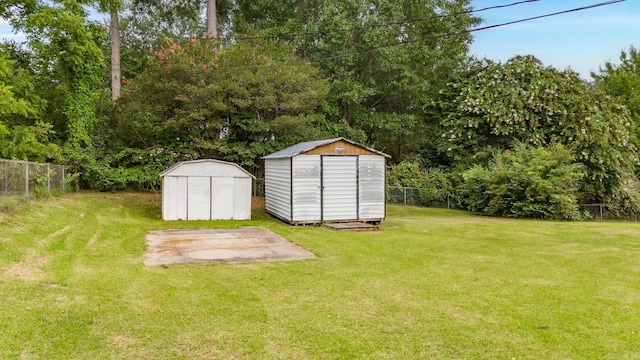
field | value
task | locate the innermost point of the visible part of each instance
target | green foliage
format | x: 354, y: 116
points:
x: 22, y: 135
x: 625, y: 202
x: 432, y: 184
x: 523, y: 100
x: 526, y: 182
x: 63, y: 40
x: 385, y: 66
x: 236, y: 103
x: 622, y: 82
x: 29, y: 143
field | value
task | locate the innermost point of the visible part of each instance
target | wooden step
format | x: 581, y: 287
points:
x: 351, y: 226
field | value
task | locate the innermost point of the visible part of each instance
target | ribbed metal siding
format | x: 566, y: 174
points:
x: 372, y: 181
x: 306, y: 188
x: 277, y: 187
x: 339, y: 188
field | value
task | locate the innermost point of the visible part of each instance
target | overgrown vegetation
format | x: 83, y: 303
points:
x: 290, y: 71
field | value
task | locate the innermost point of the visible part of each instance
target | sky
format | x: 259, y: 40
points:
x: 582, y: 40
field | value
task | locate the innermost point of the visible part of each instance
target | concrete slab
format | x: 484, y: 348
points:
x: 204, y: 246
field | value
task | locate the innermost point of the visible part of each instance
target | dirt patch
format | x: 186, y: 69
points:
x: 204, y: 246
x: 27, y: 270
x: 257, y: 202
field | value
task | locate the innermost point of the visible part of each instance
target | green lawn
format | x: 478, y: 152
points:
x: 433, y: 284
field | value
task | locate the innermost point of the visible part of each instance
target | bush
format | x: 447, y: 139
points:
x: 625, y: 201
x: 527, y: 181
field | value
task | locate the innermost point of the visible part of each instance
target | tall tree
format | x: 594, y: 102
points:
x: 116, y: 76
x: 64, y: 43
x: 112, y: 7
x: 387, y: 59
x: 237, y: 103
x: 212, y: 20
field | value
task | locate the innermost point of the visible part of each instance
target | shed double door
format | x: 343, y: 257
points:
x: 209, y: 198
x: 339, y: 188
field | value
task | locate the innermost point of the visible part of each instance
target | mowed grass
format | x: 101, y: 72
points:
x: 433, y: 284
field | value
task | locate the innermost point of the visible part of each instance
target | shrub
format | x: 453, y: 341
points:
x: 526, y: 182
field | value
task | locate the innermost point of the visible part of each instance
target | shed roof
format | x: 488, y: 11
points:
x: 205, y: 161
x: 303, y: 147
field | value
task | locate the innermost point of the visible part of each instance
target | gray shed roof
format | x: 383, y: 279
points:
x: 206, y: 161
x: 297, y: 149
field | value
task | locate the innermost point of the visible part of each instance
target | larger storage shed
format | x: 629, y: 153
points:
x: 326, y: 181
x: 206, y: 190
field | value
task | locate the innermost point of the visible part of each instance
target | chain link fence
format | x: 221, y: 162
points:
x: 600, y: 212
x: 412, y: 196
x: 21, y: 181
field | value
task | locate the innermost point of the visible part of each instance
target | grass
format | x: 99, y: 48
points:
x: 433, y: 284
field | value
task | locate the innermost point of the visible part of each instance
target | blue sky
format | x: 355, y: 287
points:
x: 582, y: 40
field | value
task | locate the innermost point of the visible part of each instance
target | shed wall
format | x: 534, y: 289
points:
x: 372, y: 187
x: 242, y: 198
x: 174, y: 191
x: 277, y: 187
x: 339, y: 147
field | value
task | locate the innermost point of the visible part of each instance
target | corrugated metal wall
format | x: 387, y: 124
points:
x: 278, y: 187
x: 372, y: 187
x: 306, y: 188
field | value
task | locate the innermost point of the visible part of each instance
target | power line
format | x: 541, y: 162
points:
x: 396, y: 22
x: 469, y: 31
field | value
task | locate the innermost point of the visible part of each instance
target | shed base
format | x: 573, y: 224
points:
x: 351, y: 226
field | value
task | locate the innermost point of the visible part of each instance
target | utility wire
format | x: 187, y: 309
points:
x: 469, y: 31
x: 397, y: 22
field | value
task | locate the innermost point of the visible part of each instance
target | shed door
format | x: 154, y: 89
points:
x: 222, y: 198
x: 339, y: 188
x: 198, y: 198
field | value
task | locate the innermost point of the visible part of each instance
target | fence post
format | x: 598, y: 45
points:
x: 48, y: 178
x: 600, y: 212
x: 26, y: 180
x: 404, y: 192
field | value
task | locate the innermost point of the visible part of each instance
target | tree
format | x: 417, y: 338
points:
x: 236, y: 104
x: 63, y: 42
x: 25, y: 137
x: 523, y: 100
x: 212, y: 21
x: 112, y: 7
x: 623, y: 83
x: 387, y: 59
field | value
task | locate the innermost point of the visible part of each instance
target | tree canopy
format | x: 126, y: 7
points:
x: 526, y: 101
x: 235, y: 103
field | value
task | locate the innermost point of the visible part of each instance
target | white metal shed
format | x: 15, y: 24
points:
x: 329, y: 180
x: 206, y: 190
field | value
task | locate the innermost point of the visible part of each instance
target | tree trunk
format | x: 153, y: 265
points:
x: 212, y: 23
x: 115, y: 52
